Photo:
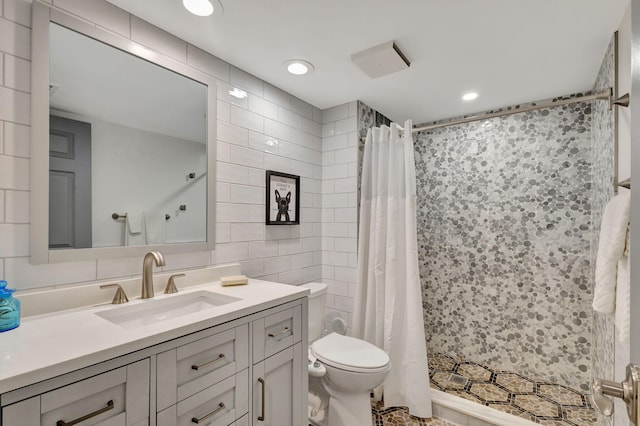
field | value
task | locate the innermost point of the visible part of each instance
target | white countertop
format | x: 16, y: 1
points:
x: 48, y: 345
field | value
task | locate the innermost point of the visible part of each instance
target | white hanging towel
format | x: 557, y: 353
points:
x: 388, y: 300
x: 135, y: 232
x: 613, y: 237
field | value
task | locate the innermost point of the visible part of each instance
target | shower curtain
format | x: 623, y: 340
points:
x: 388, y: 301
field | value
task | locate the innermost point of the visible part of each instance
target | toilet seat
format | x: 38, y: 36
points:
x: 351, y: 354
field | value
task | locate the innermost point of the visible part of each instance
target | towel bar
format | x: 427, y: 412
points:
x: 116, y: 216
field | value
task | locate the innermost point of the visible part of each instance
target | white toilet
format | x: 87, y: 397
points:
x: 342, y: 370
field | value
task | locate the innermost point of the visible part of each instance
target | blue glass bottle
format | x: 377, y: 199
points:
x: 9, y: 308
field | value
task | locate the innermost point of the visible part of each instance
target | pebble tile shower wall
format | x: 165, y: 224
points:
x: 505, y: 217
x: 504, y: 210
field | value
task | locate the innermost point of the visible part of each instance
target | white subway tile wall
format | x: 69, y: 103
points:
x: 267, y: 130
x: 19, y: 12
x: 14, y: 105
x: 203, y: 61
x: 14, y: 172
x: 100, y: 12
x: 15, y: 39
x: 338, y: 209
x: 156, y: 39
x: 18, y: 72
x: 2, y: 125
x: 2, y: 203
x: 16, y: 140
x: 280, y: 97
x: 17, y: 210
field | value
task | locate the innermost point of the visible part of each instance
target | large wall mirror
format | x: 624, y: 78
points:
x: 123, y: 146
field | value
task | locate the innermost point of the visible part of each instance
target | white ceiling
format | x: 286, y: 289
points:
x: 509, y: 51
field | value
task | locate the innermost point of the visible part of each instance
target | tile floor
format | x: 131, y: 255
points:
x: 539, y: 402
x: 399, y: 416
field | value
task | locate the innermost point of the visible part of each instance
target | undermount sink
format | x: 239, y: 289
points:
x: 157, y: 310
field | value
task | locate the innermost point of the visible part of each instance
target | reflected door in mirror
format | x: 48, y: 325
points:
x: 69, y: 183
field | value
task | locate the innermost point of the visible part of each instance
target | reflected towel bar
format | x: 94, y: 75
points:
x: 116, y: 216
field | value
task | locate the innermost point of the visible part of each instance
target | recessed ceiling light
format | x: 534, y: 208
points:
x: 469, y: 96
x: 298, y: 66
x: 198, y: 7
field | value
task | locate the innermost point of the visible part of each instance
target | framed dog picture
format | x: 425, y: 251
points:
x: 283, y: 199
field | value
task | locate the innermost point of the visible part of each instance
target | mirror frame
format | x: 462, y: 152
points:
x: 42, y: 14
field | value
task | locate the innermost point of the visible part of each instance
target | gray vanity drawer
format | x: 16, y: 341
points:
x: 276, y: 332
x: 190, y: 368
x: 118, y: 397
x: 218, y: 405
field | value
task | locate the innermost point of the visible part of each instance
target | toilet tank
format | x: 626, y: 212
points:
x: 317, y: 300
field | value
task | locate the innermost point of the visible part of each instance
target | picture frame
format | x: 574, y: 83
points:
x: 282, y: 201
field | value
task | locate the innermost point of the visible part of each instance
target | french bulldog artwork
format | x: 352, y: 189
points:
x: 282, y: 198
x: 283, y: 206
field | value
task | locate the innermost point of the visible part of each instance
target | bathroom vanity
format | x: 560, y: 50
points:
x: 206, y: 355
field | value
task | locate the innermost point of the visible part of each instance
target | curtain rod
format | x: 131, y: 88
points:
x: 604, y: 95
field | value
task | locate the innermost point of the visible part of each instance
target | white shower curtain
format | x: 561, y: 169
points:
x: 388, y: 302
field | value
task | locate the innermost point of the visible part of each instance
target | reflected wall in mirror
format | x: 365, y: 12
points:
x: 128, y: 146
x: 122, y: 145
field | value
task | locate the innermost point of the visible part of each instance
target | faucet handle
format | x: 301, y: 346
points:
x: 171, y: 285
x: 120, y: 296
x: 602, y: 403
x: 628, y: 391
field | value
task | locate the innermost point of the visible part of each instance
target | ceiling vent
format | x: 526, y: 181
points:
x: 381, y: 60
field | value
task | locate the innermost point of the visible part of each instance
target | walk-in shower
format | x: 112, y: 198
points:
x: 509, y: 205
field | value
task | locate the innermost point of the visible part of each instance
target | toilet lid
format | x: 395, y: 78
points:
x: 349, y: 353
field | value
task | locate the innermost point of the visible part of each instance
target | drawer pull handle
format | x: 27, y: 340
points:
x: 261, y: 416
x: 282, y: 334
x: 206, y: 364
x: 88, y: 416
x: 211, y: 414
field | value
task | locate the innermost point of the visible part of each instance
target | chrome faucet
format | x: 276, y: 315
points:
x: 147, y: 272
